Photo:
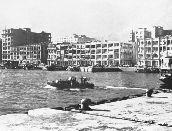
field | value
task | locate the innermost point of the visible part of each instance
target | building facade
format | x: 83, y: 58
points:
x: 54, y: 54
x: 150, y: 46
x: 148, y: 52
x: 12, y: 38
x: 35, y: 53
x: 91, y: 53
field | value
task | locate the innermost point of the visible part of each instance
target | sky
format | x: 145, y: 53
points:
x: 102, y: 19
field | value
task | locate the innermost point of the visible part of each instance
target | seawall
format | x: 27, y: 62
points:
x: 139, y: 113
x: 128, y: 68
x: 90, y: 69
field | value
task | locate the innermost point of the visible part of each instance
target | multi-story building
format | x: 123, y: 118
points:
x: 54, y: 54
x: 21, y: 37
x: 157, y: 31
x: 149, y: 48
x: 36, y: 53
x: 75, y: 39
x: 92, y: 53
x: 140, y: 33
x: 148, y: 52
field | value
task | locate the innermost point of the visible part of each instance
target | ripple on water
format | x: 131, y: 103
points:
x: 23, y: 90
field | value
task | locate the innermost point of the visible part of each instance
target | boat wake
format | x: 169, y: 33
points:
x: 49, y: 87
x: 74, y: 89
x: 113, y: 87
x: 52, y: 87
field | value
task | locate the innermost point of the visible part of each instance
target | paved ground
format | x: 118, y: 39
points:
x: 136, y: 114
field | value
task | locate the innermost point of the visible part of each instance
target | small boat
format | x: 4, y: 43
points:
x: 71, y: 82
x: 166, y: 78
x: 146, y: 69
x: 166, y: 72
x: 73, y: 68
x: 102, y: 68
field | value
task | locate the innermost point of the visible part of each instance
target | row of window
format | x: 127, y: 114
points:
x: 86, y: 51
x: 32, y: 52
x: 90, y: 56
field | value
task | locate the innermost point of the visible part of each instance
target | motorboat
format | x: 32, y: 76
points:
x: 71, y: 82
x: 166, y: 72
x: 166, y: 78
x: 56, y: 68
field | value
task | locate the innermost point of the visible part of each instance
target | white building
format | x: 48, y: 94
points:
x: 92, y: 53
x: 151, y: 50
x: 74, y: 39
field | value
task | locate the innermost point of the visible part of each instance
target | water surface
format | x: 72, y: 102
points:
x: 22, y: 90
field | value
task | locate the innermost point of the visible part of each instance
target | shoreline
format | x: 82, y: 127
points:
x: 135, y: 112
x: 93, y: 103
x: 104, y: 101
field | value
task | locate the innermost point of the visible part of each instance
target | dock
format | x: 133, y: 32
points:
x: 139, y: 113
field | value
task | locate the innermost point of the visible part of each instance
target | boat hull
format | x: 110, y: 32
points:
x: 68, y: 85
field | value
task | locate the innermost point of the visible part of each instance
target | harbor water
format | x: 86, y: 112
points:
x: 23, y: 90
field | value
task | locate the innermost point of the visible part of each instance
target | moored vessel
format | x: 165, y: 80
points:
x: 166, y: 72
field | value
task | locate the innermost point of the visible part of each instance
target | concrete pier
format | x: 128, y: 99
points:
x: 136, y: 114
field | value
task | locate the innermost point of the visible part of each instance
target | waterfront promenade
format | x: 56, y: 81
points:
x: 140, y: 113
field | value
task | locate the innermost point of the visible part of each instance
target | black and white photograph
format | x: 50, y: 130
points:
x: 86, y: 65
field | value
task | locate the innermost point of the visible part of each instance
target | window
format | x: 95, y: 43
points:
x: 98, y: 56
x: 104, y: 56
x: 4, y: 48
x: 92, y: 51
x: 92, y: 56
x: 87, y: 46
x: 98, y: 51
x: 104, y: 51
x: 104, y: 45
x: 168, y: 42
x: 110, y: 45
x: 98, y: 45
x: 116, y: 44
x: 92, y: 46
x: 110, y: 56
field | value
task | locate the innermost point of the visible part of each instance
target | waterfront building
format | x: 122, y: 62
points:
x: 11, y: 38
x: 148, y: 52
x: 150, y: 46
x: 166, y: 60
x: 92, y: 53
x: 54, y: 54
x: 35, y: 53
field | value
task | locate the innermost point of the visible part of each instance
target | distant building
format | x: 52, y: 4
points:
x: 151, y: 50
x: 140, y: 33
x: 91, y: 53
x: 132, y: 36
x: 54, y: 54
x: 151, y: 44
x: 148, y: 52
x: 75, y: 39
x: 157, y: 31
x: 35, y: 53
x: 11, y: 38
